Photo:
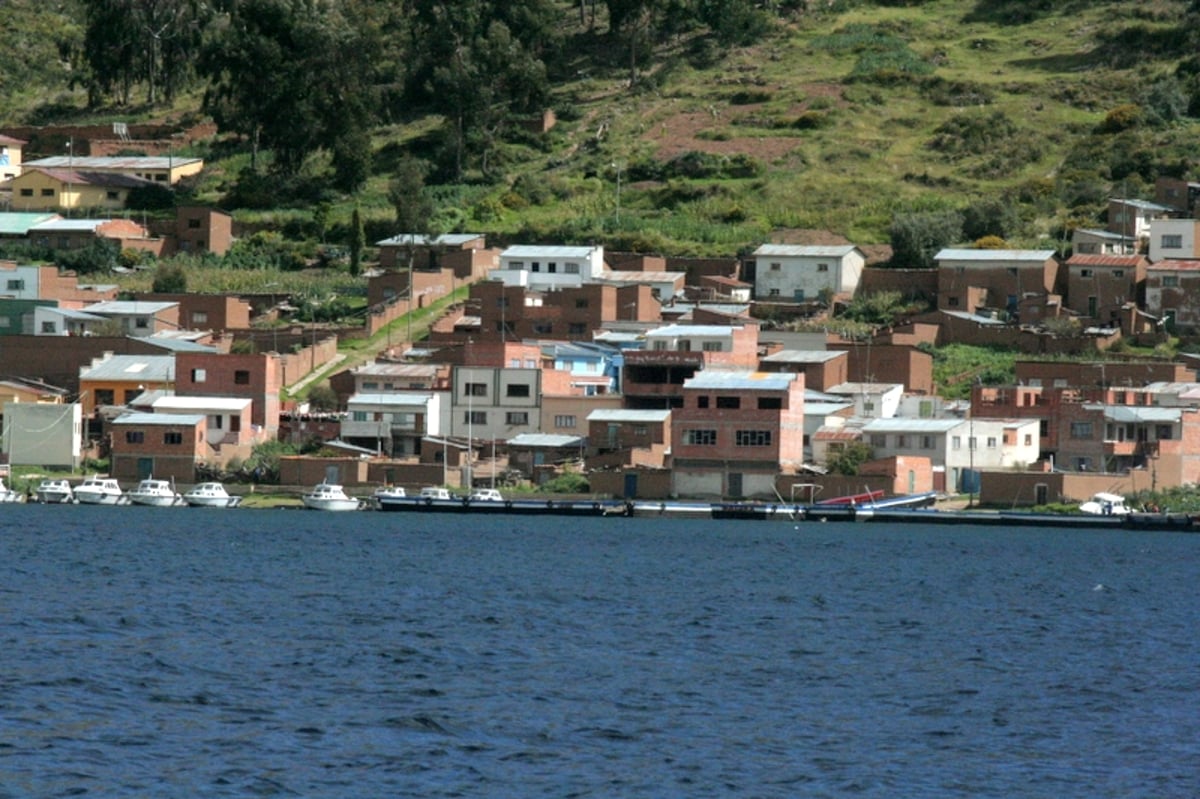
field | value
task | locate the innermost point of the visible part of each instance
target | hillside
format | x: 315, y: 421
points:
x: 1027, y: 115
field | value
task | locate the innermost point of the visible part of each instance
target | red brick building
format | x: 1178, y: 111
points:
x: 254, y: 376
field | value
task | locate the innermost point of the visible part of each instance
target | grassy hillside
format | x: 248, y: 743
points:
x: 837, y: 121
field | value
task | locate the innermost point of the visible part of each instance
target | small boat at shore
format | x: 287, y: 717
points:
x: 97, y: 490
x: 156, y: 494
x: 329, y: 496
x: 210, y: 495
x: 1103, y: 503
x: 9, y: 495
x: 55, y: 492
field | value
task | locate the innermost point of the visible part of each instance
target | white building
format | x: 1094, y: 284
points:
x: 489, y: 402
x: 396, y: 421
x: 546, y: 268
x: 225, y: 415
x: 801, y: 273
x: 871, y: 400
x: 1174, y: 239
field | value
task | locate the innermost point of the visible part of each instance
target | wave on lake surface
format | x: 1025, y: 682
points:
x: 165, y: 653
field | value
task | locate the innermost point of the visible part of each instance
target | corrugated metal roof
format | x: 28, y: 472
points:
x: 1130, y: 414
x: 396, y: 370
x: 545, y: 440
x: 628, y: 415
x: 900, y: 424
x: 1104, y: 259
x: 156, y: 368
x: 640, y: 277
x: 420, y: 239
x: 953, y: 254
x: 825, y: 408
x: 1174, y: 265
x: 547, y: 251
x: 393, y: 399
x: 69, y: 225
x: 806, y: 250
x: 129, y: 307
x: 126, y: 162
x: 69, y: 313
x: 804, y: 356
x: 758, y: 381
x: 18, y: 223
x: 1143, y: 205
x: 675, y: 331
x: 175, y: 419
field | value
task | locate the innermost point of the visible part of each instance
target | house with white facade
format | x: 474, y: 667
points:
x: 498, y: 403
x: 52, y: 321
x: 545, y: 268
x: 228, y: 418
x: 43, y: 434
x: 394, y: 422
x: 871, y: 400
x: 139, y: 318
x: 803, y: 273
x: 1174, y: 239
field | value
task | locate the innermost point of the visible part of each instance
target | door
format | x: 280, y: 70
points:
x: 1041, y: 494
x: 631, y: 484
x: 735, y: 485
x: 145, y: 468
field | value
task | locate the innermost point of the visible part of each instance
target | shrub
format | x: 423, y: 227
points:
x: 170, y: 279
x: 1123, y: 117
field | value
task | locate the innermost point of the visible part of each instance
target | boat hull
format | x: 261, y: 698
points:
x: 330, y: 504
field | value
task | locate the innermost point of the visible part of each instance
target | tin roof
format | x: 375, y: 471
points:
x: 175, y: 402
x: 547, y: 251
x: 18, y: 223
x: 155, y: 368
x: 628, y: 415
x: 958, y: 254
x: 806, y: 250
x: 548, y: 440
x: 717, y: 379
x: 391, y: 399
x: 804, y: 356
x: 900, y: 424
x: 175, y: 419
x: 127, y: 162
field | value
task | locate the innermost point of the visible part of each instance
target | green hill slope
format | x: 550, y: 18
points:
x: 1026, y: 115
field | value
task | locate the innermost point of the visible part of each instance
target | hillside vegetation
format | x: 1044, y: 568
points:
x: 684, y: 127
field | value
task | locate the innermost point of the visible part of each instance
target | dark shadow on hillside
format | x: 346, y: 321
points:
x: 1123, y: 49
x: 1021, y: 12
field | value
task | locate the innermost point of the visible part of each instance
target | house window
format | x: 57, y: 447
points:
x: 104, y: 396
x: 1081, y: 429
x: 1118, y: 273
x: 952, y: 302
x: 216, y: 422
x: 776, y: 267
x: 359, y: 416
x: 475, y: 390
x: 868, y: 408
x: 991, y: 442
x: 112, y: 195
x: 517, y: 265
x: 660, y: 345
x: 684, y: 345
x: 571, y: 269
x: 370, y: 385
x: 581, y: 302
x: 161, y: 178
x: 972, y: 442
x: 770, y: 403
x: 543, y: 328
x: 1163, y: 432
x: 956, y: 442
x: 475, y: 417
x: 1170, y: 281
x: 194, y: 224
x: 26, y: 192
x: 927, y: 442
x: 576, y: 328
x: 901, y: 441
x: 131, y: 394
x: 141, y: 323
x: 516, y: 418
x: 173, y: 437
x: 752, y: 438
x: 47, y: 192
x: 517, y: 390
x: 241, y: 377
x: 729, y: 403
x: 1172, y: 241
x: 552, y: 267
x: 199, y: 375
x: 822, y: 267
x: 773, y: 293
x: 535, y: 266
x: 135, y: 436
x: 1028, y: 440
x: 700, y: 438
x: 47, y: 327
x: 16, y: 285
x: 712, y: 346
x: 878, y: 441
x: 1085, y: 272
x: 564, y: 420
x: 702, y: 401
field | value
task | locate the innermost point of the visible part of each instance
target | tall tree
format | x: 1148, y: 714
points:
x: 358, y: 240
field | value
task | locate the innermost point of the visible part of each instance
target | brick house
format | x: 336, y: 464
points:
x: 466, y: 255
x: 139, y: 318
x: 1163, y: 441
x: 199, y: 229
x: 567, y: 314
x: 217, y: 312
x: 1173, y: 293
x: 395, y: 422
x: 118, y: 379
x: 168, y: 446
x: 970, y: 280
x: 654, y: 376
x: 735, y: 432
x: 77, y: 234
x: 822, y: 369
x: 623, y: 437
x: 1099, y: 286
x: 253, y: 376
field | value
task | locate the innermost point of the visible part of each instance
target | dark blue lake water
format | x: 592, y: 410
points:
x: 187, y: 653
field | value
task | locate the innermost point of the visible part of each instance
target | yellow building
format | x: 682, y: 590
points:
x: 39, y: 189
x: 164, y: 169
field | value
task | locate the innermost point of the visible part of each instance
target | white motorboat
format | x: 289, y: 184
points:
x: 211, y: 495
x: 97, y: 490
x: 8, y: 495
x: 329, y: 496
x: 156, y: 493
x: 1105, y: 504
x: 435, y: 493
x: 55, y: 492
x: 384, y: 493
x: 485, y: 495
